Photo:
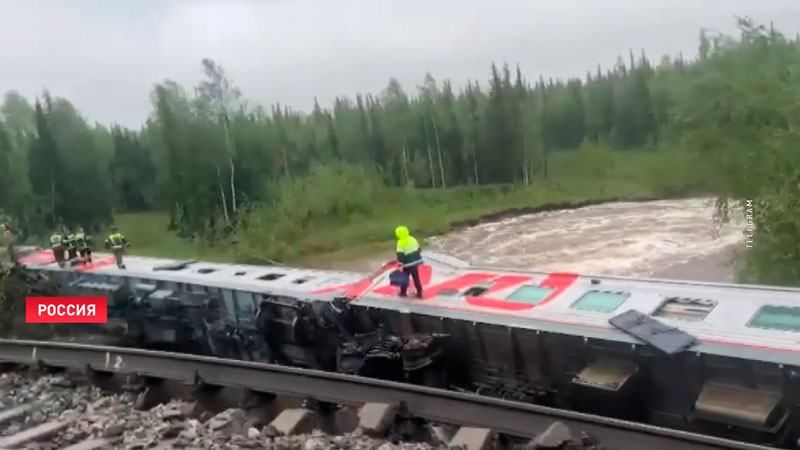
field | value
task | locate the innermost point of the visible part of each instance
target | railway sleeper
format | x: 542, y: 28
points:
x: 396, y: 422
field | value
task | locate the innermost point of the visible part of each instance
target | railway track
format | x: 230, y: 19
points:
x: 482, y: 419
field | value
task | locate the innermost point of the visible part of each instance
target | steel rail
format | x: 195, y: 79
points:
x: 503, y: 416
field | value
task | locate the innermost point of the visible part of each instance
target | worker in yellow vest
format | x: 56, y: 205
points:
x: 117, y: 243
x: 409, y: 257
x: 58, y: 246
x: 83, y: 244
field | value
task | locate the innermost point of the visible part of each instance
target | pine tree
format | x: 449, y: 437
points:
x: 5, y: 167
x: 45, y: 162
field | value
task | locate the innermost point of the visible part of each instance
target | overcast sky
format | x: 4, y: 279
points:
x: 105, y: 55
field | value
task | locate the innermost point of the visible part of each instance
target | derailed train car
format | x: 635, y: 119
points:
x: 714, y: 358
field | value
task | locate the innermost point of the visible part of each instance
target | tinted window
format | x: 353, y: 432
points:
x: 601, y: 301
x: 196, y: 288
x: 476, y: 290
x: 245, y: 306
x: 530, y: 294
x: 227, y: 296
x: 783, y: 318
x: 270, y: 276
x: 684, y: 308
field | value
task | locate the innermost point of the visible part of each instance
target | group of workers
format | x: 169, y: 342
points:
x: 409, y: 255
x: 73, y: 244
x: 79, y: 245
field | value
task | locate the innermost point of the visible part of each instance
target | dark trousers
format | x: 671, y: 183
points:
x: 86, y: 253
x: 412, y: 272
x: 58, y: 253
x: 117, y: 251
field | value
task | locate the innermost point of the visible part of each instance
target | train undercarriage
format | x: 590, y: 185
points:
x: 728, y: 397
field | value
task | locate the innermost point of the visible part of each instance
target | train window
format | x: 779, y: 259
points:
x: 477, y: 289
x: 240, y: 273
x: 684, y: 308
x: 302, y: 280
x: 195, y: 288
x: 530, y: 294
x: 206, y: 270
x: 245, y: 306
x: 785, y: 318
x: 227, y: 296
x: 600, y: 301
x: 270, y: 276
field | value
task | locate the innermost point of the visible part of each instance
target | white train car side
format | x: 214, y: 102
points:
x: 710, y: 357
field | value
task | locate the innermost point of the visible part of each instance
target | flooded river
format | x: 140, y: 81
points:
x: 676, y: 239
x: 668, y: 238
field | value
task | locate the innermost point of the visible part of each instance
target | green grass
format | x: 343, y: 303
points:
x: 321, y: 235
x: 147, y: 232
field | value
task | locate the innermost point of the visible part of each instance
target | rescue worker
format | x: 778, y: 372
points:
x: 69, y: 240
x: 83, y: 244
x: 117, y: 242
x: 409, y: 257
x: 58, y: 246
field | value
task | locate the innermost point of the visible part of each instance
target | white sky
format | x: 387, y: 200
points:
x: 105, y: 55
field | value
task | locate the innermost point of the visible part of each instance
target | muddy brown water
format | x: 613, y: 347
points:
x: 663, y: 239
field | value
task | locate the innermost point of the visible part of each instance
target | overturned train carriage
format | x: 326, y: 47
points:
x: 713, y: 358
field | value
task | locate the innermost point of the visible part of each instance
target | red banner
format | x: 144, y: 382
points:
x: 66, y: 310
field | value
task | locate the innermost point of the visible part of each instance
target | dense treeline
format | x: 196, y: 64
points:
x: 209, y: 157
x: 744, y: 121
x: 206, y: 155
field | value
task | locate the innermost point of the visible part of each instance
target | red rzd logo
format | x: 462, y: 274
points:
x: 66, y: 310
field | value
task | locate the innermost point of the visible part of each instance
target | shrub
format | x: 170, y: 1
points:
x: 329, y: 194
